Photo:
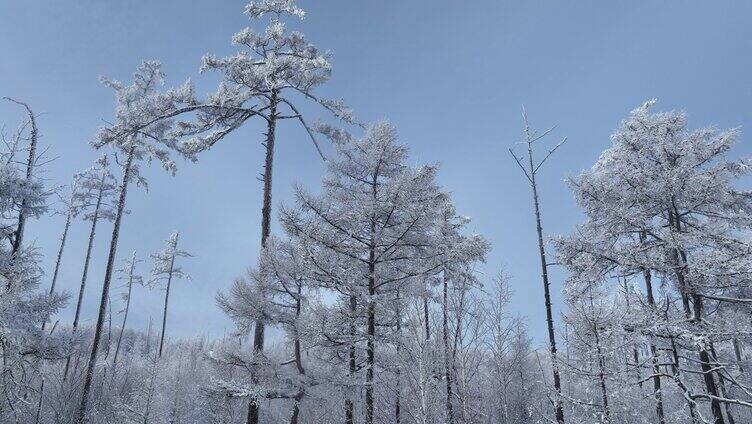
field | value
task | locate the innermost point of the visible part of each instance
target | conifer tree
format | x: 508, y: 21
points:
x: 164, y: 271
x: 138, y: 136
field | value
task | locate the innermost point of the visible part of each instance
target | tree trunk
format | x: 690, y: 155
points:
x: 657, y: 393
x: 39, y: 404
x: 266, y: 212
x: 371, y: 310
x: 398, y: 370
x: 87, y: 260
x: 296, y: 408
x: 298, y: 361
x: 677, y: 375
x: 680, y: 258
x: 707, y: 369
x: 167, y: 296
x: 19, y: 233
x: 150, y: 392
x: 425, y: 318
x: 370, y: 343
x: 349, y: 403
x: 81, y: 413
x: 738, y: 354
x: 546, y: 290
x: 722, y: 387
x: 59, y: 259
x: 459, y: 382
x: 601, y: 369
x: 125, y: 316
x: 447, y: 359
x: 63, y: 238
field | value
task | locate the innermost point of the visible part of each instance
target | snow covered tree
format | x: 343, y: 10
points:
x: 277, y: 292
x: 163, y: 271
x: 508, y: 349
x: 23, y: 310
x: 268, y: 78
x: 370, y: 236
x: 29, y: 205
x: 93, y: 197
x: 679, y: 218
x: 128, y: 275
x: 139, y: 136
x: 456, y: 253
x: 70, y: 212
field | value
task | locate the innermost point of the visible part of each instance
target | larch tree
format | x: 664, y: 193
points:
x: 457, y: 252
x: 269, y: 78
x: 506, y: 342
x: 164, y: 270
x: 273, y: 74
x: 276, y: 291
x: 70, y: 212
x: 138, y: 136
x: 94, y: 198
x: 28, y: 206
x: 23, y: 310
x: 127, y: 274
x: 371, y: 232
x: 665, y: 197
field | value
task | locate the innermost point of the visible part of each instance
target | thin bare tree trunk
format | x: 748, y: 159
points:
x: 601, y: 368
x: 425, y: 318
x: 398, y: 370
x: 677, y: 375
x: 695, y: 315
x: 125, y: 317
x: 167, y: 296
x: 447, y: 359
x: 63, y: 238
x: 707, y: 370
x: 658, y: 393
x: 602, y: 376
x: 87, y: 260
x: 39, y: 404
x: 298, y: 362
x: 531, y: 171
x: 546, y: 292
x: 81, y: 413
x: 371, y: 320
x: 738, y: 354
x: 266, y: 212
x: 722, y: 387
x: 349, y: 403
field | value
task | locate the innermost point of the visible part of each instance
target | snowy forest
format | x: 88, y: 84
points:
x: 365, y: 299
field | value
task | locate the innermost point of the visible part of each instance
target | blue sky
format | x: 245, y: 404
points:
x: 451, y: 76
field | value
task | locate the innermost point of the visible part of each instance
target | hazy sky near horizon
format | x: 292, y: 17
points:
x: 451, y: 76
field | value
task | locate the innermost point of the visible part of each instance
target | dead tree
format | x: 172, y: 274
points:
x: 531, y: 171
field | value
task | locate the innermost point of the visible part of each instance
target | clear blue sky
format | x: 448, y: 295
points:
x: 450, y: 75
